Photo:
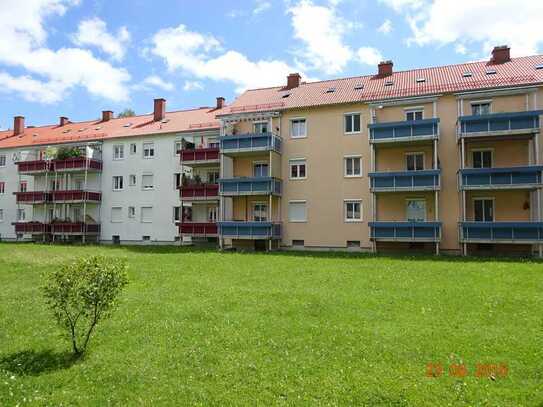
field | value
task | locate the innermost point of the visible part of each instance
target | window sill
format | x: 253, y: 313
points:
x: 353, y: 176
x: 352, y: 133
x: 118, y: 190
x: 297, y: 179
x: 297, y: 221
x: 298, y: 137
x: 353, y: 220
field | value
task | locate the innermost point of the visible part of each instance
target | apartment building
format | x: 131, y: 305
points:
x: 443, y: 159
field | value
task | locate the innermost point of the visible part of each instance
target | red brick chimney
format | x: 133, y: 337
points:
x: 220, y: 102
x: 107, y: 115
x: 385, y: 68
x: 18, y: 125
x: 160, y: 110
x: 500, y: 54
x: 293, y: 81
x: 63, y: 121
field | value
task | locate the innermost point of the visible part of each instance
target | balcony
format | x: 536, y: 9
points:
x: 33, y: 167
x: 67, y: 165
x: 75, y: 196
x: 32, y: 228
x: 425, y: 180
x: 499, y: 124
x: 404, y: 131
x: 250, y: 230
x: 501, y: 178
x: 31, y: 198
x: 199, y: 192
x: 200, y: 156
x: 76, y: 228
x: 501, y: 232
x: 195, y: 229
x: 250, y: 186
x: 406, y: 231
x: 250, y: 143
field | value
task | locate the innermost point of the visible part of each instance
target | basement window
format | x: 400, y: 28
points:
x: 420, y: 80
x: 491, y: 72
x: 467, y: 74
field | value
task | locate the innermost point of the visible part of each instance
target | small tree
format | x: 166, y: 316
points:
x: 82, y: 293
x: 126, y: 113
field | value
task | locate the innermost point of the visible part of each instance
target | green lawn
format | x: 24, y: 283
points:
x: 203, y: 328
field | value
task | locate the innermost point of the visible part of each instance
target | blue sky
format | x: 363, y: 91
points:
x: 78, y: 57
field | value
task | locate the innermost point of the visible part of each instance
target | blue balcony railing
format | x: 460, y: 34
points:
x: 251, y: 142
x: 404, y: 131
x: 499, y: 123
x: 250, y: 186
x: 501, y: 178
x: 505, y: 232
x: 406, y: 231
x: 425, y: 180
x: 250, y: 230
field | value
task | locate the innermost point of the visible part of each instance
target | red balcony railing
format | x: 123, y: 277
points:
x: 78, y: 228
x: 33, y: 166
x: 31, y: 197
x: 32, y: 228
x: 75, y: 195
x: 77, y: 163
x: 200, y: 191
x: 198, y: 229
x: 200, y: 155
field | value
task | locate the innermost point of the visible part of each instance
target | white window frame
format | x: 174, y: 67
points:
x: 354, y: 220
x: 19, y: 217
x: 144, y: 149
x: 479, y: 150
x: 484, y: 198
x: 407, y: 200
x: 291, y: 123
x: 415, y: 153
x: 180, y: 208
x: 118, y: 152
x: 413, y: 110
x: 261, y: 162
x: 25, y: 183
x: 133, y: 148
x: 297, y: 201
x: 147, y: 188
x: 480, y: 102
x: 175, y: 150
x: 291, y: 164
x: 132, y: 180
x: 351, y: 133
x: 348, y: 157
x: 4, y: 159
x: 266, y: 122
x: 120, y: 209
x: 141, y: 214
x: 212, y: 213
x: 175, y: 175
x: 253, y: 204
x: 131, y: 215
x: 113, y: 182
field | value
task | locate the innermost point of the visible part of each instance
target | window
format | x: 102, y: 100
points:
x: 2, y: 188
x: 23, y: 186
x: 297, y: 211
x: 414, y: 161
x: 298, y: 243
x: 353, y: 244
x: 177, y: 179
x: 414, y: 114
x: 148, y: 150
x: 261, y: 127
x: 260, y: 169
x: 116, y: 239
x: 480, y: 108
x: 118, y: 183
x: 483, y: 209
x: 260, y: 212
x: 176, y: 214
x: 416, y: 210
x: 2, y: 160
x: 482, y: 158
x: 1, y: 215
x: 147, y: 181
x: 213, y: 177
x: 131, y: 212
x: 133, y: 148
x: 116, y: 214
x: 21, y: 215
x: 54, y: 185
x: 352, y: 123
x: 297, y: 168
x: 146, y: 238
x: 146, y: 214
x: 132, y: 180
x: 212, y: 214
x: 79, y: 184
x: 177, y: 147
x: 118, y: 152
x: 353, y: 166
x: 353, y: 210
x: 298, y: 128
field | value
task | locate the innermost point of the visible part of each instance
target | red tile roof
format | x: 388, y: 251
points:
x: 180, y: 121
x: 438, y: 80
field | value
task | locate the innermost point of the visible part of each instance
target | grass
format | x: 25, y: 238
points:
x: 203, y: 328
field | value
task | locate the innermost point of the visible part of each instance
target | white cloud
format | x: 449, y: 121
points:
x: 369, y: 56
x: 29, y: 88
x: 192, y: 85
x: 23, y: 46
x: 386, y: 27
x: 94, y: 32
x: 321, y: 30
x: 154, y: 82
x: 203, y: 57
x: 460, y: 49
x: 476, y: 24
x: 261, y: 6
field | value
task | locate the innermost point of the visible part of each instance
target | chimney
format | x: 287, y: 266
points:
x: 385, y: 68
x: 63, y: 121
x: 160, y: 110
x: 220, y: 102
x: 18, y: 125
x: 501, y: 54
x: 107, y: 115
x: 293, y: 81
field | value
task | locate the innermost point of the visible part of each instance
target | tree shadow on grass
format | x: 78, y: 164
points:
x: 35, y: 363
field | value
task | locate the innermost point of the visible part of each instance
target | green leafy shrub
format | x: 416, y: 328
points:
x: 83, y: 293
x: 63, y: 153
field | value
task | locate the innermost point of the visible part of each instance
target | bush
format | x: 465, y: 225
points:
x: 83, y: 293
x: 63, y: 153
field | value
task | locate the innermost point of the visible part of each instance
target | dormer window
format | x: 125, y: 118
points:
x: 467, y: 74
x: 491, y: 72
x: 330, y: 90
x: 540, y: 66
x: 358, y: 87
x: 389, y: 83
x: 286, y: 95
x: 420, y: 80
